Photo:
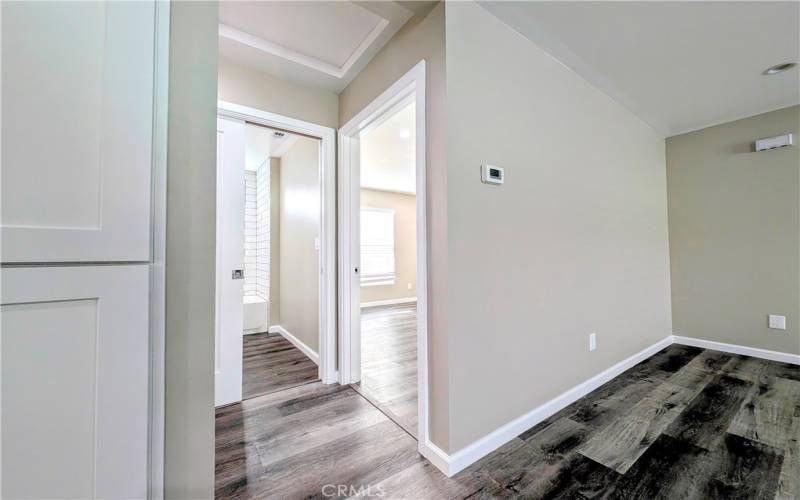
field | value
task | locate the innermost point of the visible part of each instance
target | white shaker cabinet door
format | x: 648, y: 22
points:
x: 77, y: 127
x: 74, y: 382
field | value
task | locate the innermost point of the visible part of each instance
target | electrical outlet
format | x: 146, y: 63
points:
x: 409, y: 286
x: 777, y: 322
x: 592, y: 341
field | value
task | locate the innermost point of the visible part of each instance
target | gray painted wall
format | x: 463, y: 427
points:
x: 248, y: 87
x: 191, y: 252
x: 733, y: 222
x: 299, y: 227
x: 574, y: 242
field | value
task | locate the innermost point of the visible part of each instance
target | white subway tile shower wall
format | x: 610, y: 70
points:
x: 250, y: 233
x: 263, y: 230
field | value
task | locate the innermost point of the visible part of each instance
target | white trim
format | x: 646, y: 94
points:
x: 158, y: 252
x: 284, y: 52
x: 327, y: 251
x: 412, y: 83
x: 783, y: 357
x: 389, y: 302
x: 309, y: 352
x: 452, y: 464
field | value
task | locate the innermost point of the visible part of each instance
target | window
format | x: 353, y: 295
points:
x: 377, y: 246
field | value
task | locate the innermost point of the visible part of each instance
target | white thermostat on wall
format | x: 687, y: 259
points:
x: 492, y: 175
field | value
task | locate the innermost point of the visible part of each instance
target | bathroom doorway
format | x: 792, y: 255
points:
x: 272, y: 311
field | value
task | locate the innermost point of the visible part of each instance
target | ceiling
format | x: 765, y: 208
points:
x: 261, y: 143
x: 388, y: 151
x: 318, y: 43
x: 679, y: 66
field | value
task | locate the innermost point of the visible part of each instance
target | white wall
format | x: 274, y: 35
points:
x: 574, y: 242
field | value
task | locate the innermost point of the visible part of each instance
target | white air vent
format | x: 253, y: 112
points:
x: 780, y: 141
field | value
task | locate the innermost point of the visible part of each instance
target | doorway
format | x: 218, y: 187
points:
x: 382, y: 254
x: 274, y: 244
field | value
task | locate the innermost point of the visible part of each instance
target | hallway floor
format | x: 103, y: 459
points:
x: 685, y: 423
x: 389, y: 361
x: 271, y: 363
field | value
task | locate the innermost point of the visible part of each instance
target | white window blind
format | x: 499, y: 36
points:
x: 377, y: 246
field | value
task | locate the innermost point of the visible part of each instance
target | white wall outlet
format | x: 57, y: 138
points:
x: 777, y: 322
x: 409, y: 286
x: 592, y: 341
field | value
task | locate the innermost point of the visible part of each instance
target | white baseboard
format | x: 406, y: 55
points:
x: 452, y: 464
x: 739, y: 349
x: 254, y: 331
x: 313, y: 356
x: 389, y: 302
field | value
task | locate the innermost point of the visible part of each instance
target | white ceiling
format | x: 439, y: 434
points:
x: 261, y: 143
x: 317, y: 43
x: 388, y: 152
x: 679, y: 66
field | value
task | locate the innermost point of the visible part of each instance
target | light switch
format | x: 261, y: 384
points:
x: 777, y: 322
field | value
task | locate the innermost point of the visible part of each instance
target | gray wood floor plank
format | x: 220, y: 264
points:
x: 389, y: 361
x: 621, y: 443
x: 705, y: 420
x: 270, y: 363
x: 667, y: 470
x: 789, y: 480
x: 768, y: 413
x: 741, y: 468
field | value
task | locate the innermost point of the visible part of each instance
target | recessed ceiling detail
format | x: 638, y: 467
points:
x: 321, y: 44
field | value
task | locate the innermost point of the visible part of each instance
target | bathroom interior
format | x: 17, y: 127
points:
x: 281, y: 260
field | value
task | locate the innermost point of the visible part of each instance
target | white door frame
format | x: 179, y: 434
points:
x: 158, y: 256
x: 410, y: 84
x: 327, y: 249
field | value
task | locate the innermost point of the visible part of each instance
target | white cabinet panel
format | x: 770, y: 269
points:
x: 77, y: 126
x: 74, y: 382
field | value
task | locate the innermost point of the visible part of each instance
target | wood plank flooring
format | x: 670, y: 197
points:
x: 271, y: 363
x: 389, y: 361
x: 686, y: 423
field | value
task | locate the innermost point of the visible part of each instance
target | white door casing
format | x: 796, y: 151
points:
x: 410, y: 86
x: 77, y: 93
x: 327, y: 251
x: 74, y: 381
x: 230, y: 257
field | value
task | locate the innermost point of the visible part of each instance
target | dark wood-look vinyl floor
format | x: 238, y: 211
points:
x: 389, y: 361
x: 271, y: 363
x: 685, y: 423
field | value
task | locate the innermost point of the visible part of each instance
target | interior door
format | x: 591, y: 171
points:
x: 74, y: 381
x: 355, y: 256
x: 77, y: 131
x: 230, y: 260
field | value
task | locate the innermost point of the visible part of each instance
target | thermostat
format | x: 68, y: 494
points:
x: 492, y: 175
